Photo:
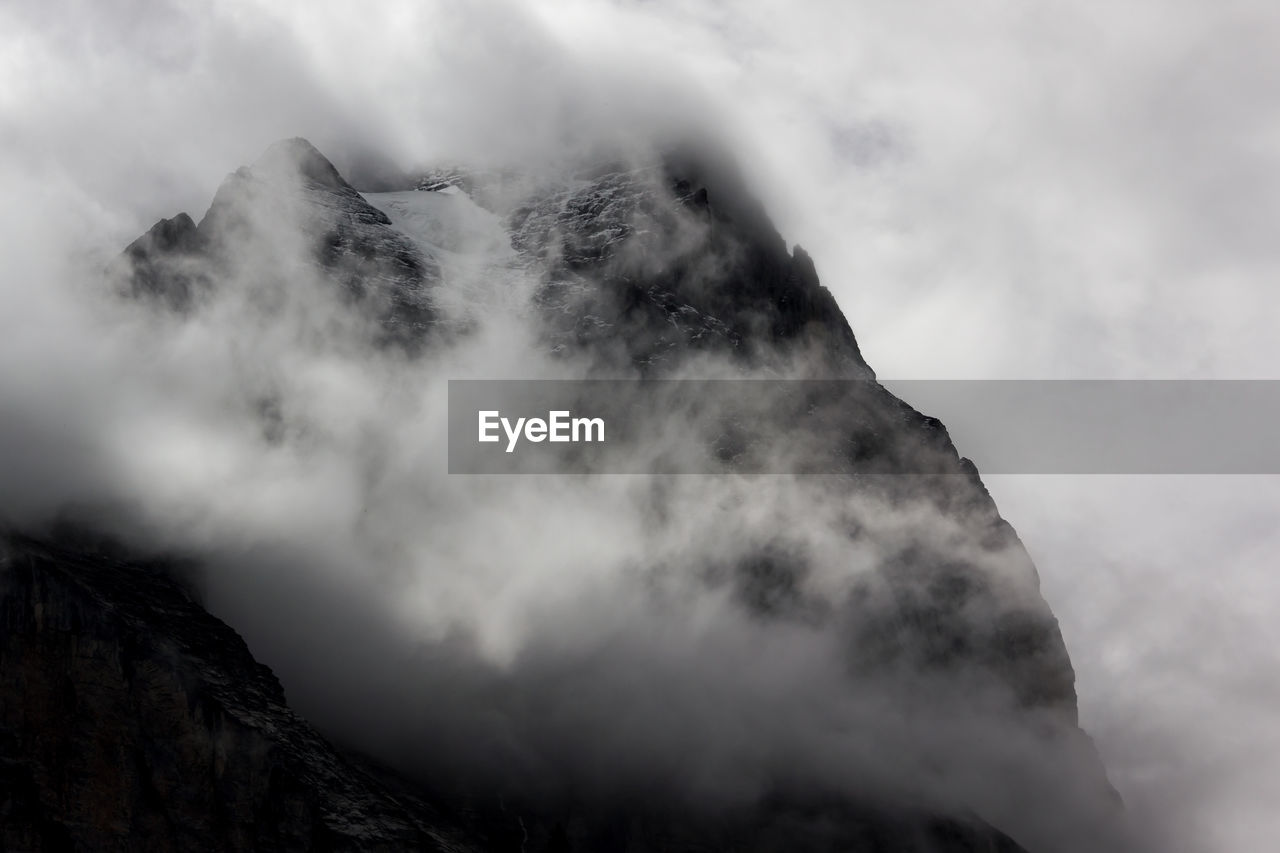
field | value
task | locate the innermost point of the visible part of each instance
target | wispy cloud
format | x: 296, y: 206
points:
x: 990, y: 190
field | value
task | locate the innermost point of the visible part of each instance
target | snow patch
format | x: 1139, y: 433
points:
x: 480, y: 270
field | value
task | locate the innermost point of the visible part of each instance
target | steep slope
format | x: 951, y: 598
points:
x: 133, y: 719
x: 292, y: 204
x: 130, y: 719
x: 641, y: 270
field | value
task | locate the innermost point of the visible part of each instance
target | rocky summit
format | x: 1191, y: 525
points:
x: 133, y: 719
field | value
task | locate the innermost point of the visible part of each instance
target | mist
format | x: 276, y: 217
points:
x: 514, y: 629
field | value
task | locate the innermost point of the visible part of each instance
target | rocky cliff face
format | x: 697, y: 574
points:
x: 132, y: 719
x: 292, y: 199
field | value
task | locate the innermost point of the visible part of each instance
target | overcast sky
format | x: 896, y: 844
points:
x: 991, y: 189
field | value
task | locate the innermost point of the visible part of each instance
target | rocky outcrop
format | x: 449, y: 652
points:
x: 289, y: 219
x: 644, y: 268
x: 649, y: 260
x: 131, y: 719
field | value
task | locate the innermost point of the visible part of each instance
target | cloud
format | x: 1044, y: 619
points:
x: 1068, y: 190
x: 1163, y: 589
x: 1048, y: 191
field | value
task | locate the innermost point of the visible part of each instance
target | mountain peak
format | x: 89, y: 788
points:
x: 918, y: 590
x: 299, y: 157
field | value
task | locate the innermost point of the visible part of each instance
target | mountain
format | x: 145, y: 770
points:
x: 376, y: 267
x: 131, y: 718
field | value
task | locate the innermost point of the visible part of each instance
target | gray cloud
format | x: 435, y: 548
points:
x: 1163, y: 588
x: 1057, y: 191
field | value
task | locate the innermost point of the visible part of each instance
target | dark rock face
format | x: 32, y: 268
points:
x: 132, y: 719
x: 161, y: 261
x: 642, y: 266
x: 290, y: 216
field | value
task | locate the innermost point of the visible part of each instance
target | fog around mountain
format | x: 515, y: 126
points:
x: 348, y: 570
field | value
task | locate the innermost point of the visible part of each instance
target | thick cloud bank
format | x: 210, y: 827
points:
x: 551, y: 633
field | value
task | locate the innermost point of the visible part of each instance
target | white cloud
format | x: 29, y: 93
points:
x: 990, y: 189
